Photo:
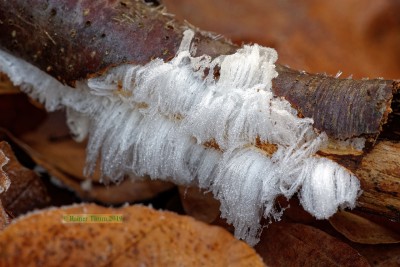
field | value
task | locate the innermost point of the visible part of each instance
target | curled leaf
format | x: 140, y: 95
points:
x: 23, y: 189
x: 4, y: 180
x: 361, y: 230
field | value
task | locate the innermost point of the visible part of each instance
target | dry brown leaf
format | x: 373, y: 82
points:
x: 51, y: 142
x: 26, y: 190
x: 199, y: 204
x: 361, y: 230
x: 381, y: 255
x: 203, y: 206
x: 4, y: 185
x: 6, y: 86
x: 129, y: 190
x: 4, y: 179
x: 145, y: 238
x: 290, y: 244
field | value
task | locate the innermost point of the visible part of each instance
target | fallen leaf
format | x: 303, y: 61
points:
x: 291, y: 244
x: 146, y: 237
x: 361, y: 230
x: 199, y: 204
x: 25, y: 190
x: 6, y: 86
x: 51, y: 142
x: 381, y: 255
x: 4, y: 179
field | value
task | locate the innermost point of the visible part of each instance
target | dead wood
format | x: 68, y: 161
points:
x: 72, y: 40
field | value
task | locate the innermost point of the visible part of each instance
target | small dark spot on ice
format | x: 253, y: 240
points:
x: 216, y: 72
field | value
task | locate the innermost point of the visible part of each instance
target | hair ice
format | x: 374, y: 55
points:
x: 160, y: 120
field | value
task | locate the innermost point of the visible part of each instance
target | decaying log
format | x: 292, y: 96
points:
x: 379, y: 172
x: 343, y: 108
x: 73, y: 39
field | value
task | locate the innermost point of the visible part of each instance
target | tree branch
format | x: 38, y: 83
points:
x: 72, y: 40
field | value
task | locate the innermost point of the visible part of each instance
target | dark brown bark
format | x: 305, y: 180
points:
x: 74, y: 39
x: 343, y: 108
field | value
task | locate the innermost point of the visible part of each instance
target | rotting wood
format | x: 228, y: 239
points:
x: 343, y: 108
x: 50, y: 35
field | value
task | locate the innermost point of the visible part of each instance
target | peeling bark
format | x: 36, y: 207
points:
x: 343, y: 108
x: 73, y: 39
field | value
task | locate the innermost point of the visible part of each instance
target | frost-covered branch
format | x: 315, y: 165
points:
x: 160, y: 98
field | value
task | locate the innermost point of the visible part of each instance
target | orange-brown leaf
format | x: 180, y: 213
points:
x: 145, y: 238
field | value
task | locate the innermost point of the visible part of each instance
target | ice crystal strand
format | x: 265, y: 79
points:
x: 158, y: 122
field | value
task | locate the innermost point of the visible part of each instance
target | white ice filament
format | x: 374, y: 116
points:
x: 165, y: 113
